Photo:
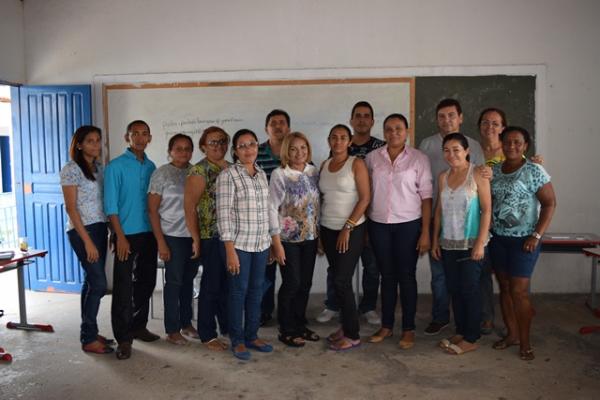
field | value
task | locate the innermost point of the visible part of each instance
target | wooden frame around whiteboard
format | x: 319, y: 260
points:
x: 125, y: 86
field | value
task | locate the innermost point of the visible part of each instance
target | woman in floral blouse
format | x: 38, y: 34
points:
x: 294, y: 204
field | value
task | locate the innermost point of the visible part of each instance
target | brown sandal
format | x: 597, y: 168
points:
x: 527, y: 355
x: 215, y: 344
x: 504, y: 343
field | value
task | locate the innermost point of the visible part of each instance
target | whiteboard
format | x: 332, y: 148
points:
x: 314, y: 107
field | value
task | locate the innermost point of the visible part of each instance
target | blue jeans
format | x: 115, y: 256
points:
x: 370, y: 283
x: 463, y: 277
x: 212, y: 300
x: 395, y: 247
x: 94, y: 284
x: 180, y: 272
x: 245, y: 294
x: 487, y: 289
x: 440, y: 310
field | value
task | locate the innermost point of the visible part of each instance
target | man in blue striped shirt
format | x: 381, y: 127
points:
x: 277, y: 126
x: 126, y: 180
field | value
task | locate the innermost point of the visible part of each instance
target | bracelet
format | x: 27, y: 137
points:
x: 350, y: 222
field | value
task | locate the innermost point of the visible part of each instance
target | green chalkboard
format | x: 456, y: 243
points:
x: 513, y: 94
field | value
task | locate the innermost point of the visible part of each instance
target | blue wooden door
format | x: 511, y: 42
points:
x: 44, y: 119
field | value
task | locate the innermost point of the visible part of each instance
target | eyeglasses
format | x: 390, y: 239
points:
x: 247, y: 145
x: 215, y: 143
x: 495, y: 124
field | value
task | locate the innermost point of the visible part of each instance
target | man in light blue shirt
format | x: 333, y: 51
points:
x: 126, y: 180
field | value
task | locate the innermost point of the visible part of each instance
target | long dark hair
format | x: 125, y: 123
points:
x: 235, y: 139
x: 77, y: 154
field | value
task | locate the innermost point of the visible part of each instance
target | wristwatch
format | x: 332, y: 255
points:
x: 348, y: 226
x: 536, y: 235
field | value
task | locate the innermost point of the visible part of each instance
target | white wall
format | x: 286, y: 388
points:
x: 71, y: 41
x: 12, y: 42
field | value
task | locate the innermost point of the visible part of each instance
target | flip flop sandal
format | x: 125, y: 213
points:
x: 527, y: 355
x: 309, y: 335
x: 455, y: 350
x: 179, y: 341
x: 291, y: 341
x: 344, y: 344
x: 503, y: 344
x: 215, y: 344
x: 444, y: 343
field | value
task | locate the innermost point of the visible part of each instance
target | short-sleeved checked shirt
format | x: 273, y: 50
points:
x: 243, y: 209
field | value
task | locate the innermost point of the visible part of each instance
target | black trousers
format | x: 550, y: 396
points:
x: 297, y: 276
x: 343, y: 265
x: 133, y: 283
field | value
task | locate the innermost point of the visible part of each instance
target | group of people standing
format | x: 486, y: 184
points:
x: 384, y: 202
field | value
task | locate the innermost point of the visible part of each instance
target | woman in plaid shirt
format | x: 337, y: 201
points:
x: 247, y: 232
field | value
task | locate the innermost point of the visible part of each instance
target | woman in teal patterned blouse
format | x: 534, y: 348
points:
x: 523, y: 203
x: 294, y: 203
x: 201, y: 220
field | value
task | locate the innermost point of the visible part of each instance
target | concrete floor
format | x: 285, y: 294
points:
x: 52, y: 366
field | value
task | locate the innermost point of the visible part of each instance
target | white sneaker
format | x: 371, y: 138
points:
x: 326, y: 315
x: 372, y: 317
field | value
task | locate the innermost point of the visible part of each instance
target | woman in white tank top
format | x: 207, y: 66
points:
x: 461, y: 231
x: 344, y: 184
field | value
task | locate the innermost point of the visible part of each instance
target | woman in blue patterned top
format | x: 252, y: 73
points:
x: 523, y: 203
x: 82, y: 184
x: 295, y: 205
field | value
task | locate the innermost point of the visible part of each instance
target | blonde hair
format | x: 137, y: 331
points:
x: 285, y: 147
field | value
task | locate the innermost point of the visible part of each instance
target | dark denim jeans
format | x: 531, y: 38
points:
x: 487, y: 290
x: 395, y: 248
x: 180, y: 272
x: 212, y: 300
x: 343, y: 266
x: 267, y: 305
x: 94, y: 283
x: 133, y: 283
x: 463, y: 277
x: 245, y: 294
x: 370, y: 284
x: 297, y: 276
x: 440, y: 310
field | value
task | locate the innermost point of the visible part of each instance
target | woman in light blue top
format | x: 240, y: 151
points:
x: 82, y: 183
x: 523, y: 205
x: 167, y: 217
x: 461, y: 232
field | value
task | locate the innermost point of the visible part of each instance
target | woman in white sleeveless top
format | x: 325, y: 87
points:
x: 461, y: 232
x: 344, y: 184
